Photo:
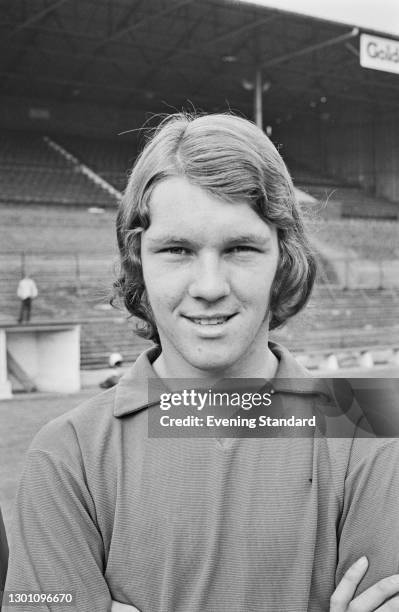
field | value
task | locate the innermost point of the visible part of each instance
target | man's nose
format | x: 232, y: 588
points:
x: 209, y: 280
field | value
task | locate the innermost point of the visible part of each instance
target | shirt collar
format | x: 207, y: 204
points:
x: 131, y: 392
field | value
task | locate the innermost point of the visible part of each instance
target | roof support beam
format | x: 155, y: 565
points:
x: 310, y: 49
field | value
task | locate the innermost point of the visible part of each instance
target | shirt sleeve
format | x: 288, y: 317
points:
x: 370, y: 519
x: 55, y: 544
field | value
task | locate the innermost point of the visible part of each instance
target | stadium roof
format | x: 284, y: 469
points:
x: 162, y: 55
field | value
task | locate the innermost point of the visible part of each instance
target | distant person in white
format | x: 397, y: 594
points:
x: 27, y: 291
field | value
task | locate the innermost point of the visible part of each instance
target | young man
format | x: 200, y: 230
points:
x: 213, y: 255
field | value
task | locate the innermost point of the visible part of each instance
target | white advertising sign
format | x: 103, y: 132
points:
x: 379, y: 53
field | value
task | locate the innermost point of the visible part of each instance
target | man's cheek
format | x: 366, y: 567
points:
x: 161, y: 298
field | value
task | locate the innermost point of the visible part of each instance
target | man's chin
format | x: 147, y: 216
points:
x: 212, y: 365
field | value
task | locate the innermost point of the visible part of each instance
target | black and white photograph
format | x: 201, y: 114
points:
x: 199, y: 306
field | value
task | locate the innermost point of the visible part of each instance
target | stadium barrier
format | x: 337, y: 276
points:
x: 365, y: 358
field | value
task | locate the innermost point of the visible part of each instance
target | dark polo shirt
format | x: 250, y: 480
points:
x: 200, y: 524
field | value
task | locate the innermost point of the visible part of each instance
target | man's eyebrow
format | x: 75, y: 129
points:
x: 168, y: 239
x: 242, y: 238
x: 248, y: 238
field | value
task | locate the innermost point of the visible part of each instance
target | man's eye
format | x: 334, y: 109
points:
x: 176, y: 251
x: 244, y: 248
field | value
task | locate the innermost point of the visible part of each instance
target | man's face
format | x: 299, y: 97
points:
x: 208, y: 268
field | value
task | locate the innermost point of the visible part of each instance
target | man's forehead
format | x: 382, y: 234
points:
x: 178, y: 191
x: 182, y: 210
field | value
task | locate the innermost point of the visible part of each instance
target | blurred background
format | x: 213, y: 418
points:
x: 79, y: 79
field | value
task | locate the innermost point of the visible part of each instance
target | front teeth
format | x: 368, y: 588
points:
x: 218, y: 321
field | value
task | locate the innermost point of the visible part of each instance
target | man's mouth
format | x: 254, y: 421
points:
x: 216, y: 320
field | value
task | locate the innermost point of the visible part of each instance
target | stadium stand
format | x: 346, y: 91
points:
x: 370, y: 239
x: 338, y: 198
x: 358, y: 309
x: 26, y: 149
x: 33, y: 172
x: 110, y: 159
x: 50, y: 229
x: 113, y: 335
x: 354, y: 202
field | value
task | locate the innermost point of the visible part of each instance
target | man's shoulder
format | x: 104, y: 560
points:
x: 369, y: 452
x: 87, y: 423
x: 96, y: 422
